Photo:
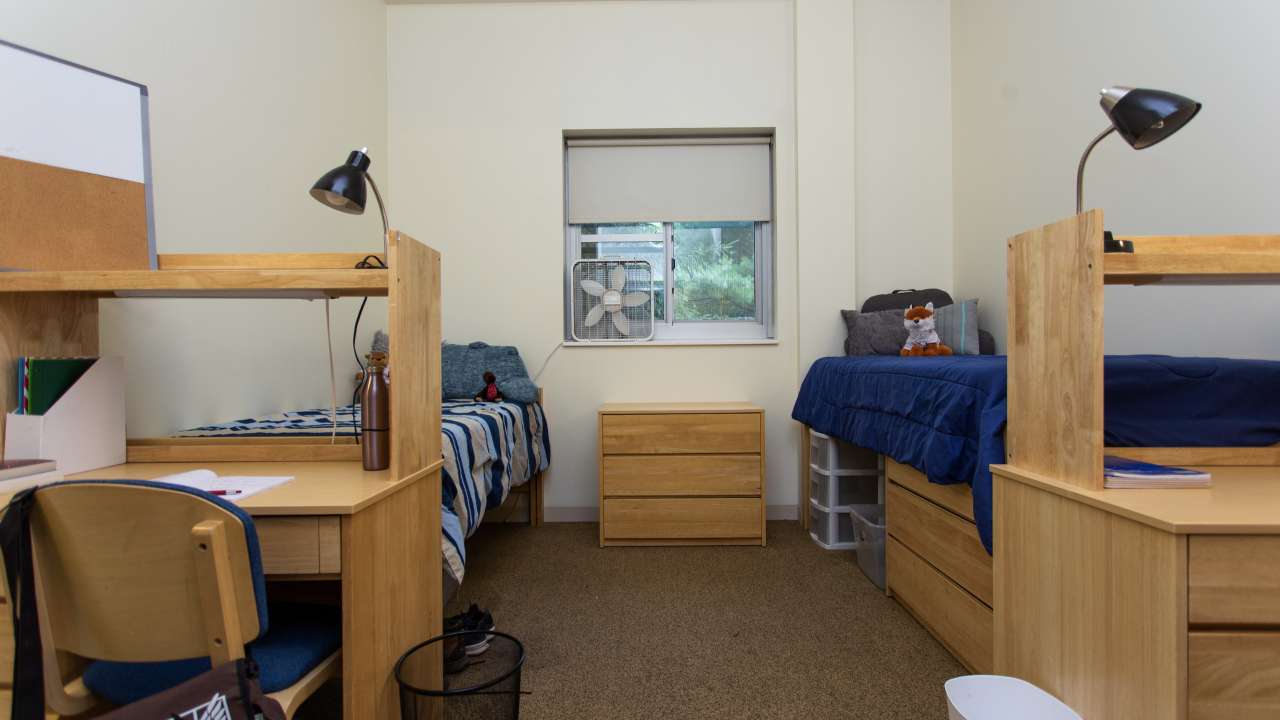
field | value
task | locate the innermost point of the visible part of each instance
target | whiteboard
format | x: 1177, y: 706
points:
x: 58, y: 113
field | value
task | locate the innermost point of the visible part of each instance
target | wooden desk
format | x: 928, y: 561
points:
x: 377, y: 533
x: 1142, y: 603
x: 334, y: 520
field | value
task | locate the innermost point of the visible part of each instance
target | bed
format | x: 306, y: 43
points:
x: 940, y: 424
x: 490, y: 451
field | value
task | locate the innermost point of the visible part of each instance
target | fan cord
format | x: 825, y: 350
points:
x: 547, y: 361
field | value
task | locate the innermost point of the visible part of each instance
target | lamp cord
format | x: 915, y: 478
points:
x: 370, y: 262
x: 333, y: 376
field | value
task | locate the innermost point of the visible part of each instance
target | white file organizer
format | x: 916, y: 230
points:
x: 84, y: 430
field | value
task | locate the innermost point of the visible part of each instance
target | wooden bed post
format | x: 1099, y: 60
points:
x: 1055, y: 350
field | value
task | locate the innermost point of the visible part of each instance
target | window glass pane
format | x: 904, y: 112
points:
x: 643, y: 241
x: 715, y: 272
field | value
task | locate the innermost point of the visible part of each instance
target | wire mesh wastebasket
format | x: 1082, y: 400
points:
x: 487, y: 688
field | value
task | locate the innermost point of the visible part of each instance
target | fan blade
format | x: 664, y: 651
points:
x: 592, y: 288
x: 618, y: 278
x: 593, y: 316
x: 635, y: 299
x: 621, y: 322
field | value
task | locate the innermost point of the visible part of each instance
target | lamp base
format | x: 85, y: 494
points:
x: 1111, y: 245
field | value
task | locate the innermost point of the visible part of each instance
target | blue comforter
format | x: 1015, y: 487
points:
x: 946, y: 416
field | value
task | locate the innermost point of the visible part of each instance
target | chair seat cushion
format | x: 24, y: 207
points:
x: 301, y: 636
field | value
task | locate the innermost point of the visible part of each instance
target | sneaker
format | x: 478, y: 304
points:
x: 479, y: 621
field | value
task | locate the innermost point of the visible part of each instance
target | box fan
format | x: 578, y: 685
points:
x: 612, y: 301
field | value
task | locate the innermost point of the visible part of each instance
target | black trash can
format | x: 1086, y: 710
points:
x: 488, y: 688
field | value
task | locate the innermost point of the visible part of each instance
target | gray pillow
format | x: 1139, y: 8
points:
x: 874, y: 333
x: 958, y: 326
x: 462, y: 369
x: 882, y: 332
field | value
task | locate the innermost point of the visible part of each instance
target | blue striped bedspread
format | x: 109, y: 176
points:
x: 488, y: 448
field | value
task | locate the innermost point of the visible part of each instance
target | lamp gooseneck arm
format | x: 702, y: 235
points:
x: 1079, y: 169
x: 382, y: 208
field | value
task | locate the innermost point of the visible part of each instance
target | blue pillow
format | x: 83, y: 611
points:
x: 462, y: 369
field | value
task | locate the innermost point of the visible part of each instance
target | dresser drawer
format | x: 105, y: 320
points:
x: 1233, y: 675
x: 684, y: 433
x: 674, y: 519
x: 948, y: 541
x: 1233, y: 580
x: 681, y: 475
x: 299, y: 545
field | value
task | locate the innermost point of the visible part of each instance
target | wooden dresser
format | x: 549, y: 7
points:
x: 682, y: 474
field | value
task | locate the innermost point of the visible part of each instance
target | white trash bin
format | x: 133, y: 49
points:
x: 997, y: 697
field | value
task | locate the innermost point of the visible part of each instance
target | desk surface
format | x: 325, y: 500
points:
x: 317, y: 488
x: 1243, y: 500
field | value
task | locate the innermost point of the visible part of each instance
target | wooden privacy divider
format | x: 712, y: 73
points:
x: 1055, y: 350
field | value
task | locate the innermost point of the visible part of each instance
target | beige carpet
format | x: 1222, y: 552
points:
x: 787, y: 631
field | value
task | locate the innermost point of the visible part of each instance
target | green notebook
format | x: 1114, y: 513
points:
x: 49, y: 378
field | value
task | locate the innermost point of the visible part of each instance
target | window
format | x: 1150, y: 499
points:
x: 698, y: 210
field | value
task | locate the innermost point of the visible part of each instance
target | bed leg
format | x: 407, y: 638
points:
x: 804, y: 477
x: 535, y: 500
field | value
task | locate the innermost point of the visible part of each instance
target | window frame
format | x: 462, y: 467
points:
x: 668, y: 328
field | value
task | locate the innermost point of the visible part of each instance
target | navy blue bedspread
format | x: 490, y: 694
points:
x: 945, y: 416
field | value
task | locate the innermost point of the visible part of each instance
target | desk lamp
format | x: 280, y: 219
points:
x: 342, y: 188
x: 1143, y: 118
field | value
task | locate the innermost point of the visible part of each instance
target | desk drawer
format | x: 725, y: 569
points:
x: 1233, y: 675
x: 1233, y: 580
x: 946, y: 540
x: 683, y: 433
x: 668, y: 475
x: 674, y: 519
x: 300, y: 545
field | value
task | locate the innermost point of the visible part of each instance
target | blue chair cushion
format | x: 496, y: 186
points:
x: 301, y: 636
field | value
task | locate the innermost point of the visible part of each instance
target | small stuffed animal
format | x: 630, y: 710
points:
x: 922, y: 335
x: 490, y: 393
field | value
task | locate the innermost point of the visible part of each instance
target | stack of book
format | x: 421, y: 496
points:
x: 1123, y: 473
x: 41, y: 381
x: 18, y: 475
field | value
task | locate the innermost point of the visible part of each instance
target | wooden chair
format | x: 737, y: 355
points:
x: 134, y: 572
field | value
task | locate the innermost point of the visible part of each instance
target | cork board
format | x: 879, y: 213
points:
x: 58, y: 219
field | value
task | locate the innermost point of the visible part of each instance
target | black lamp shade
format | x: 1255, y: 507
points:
x: 343, y: 188
x: 1144, y: 117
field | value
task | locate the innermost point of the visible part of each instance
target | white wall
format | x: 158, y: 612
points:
x: 903, y: 130
x: 1026, y: 78
x: 250, y: 102
x: 479, y: 96
x: 825, y: 174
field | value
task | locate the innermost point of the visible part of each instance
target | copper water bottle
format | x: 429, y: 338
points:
x: 375, y: 415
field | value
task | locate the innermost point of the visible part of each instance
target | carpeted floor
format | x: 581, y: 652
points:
x: 786, y: 631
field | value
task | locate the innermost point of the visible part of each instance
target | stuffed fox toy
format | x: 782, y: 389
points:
x: 922, y: 333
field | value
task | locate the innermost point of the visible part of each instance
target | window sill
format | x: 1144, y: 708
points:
x: 674, y: 343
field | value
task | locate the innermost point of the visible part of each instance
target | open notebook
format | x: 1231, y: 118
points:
x: 230, y: 487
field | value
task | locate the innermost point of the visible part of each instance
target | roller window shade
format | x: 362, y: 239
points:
x: 703, y: 180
